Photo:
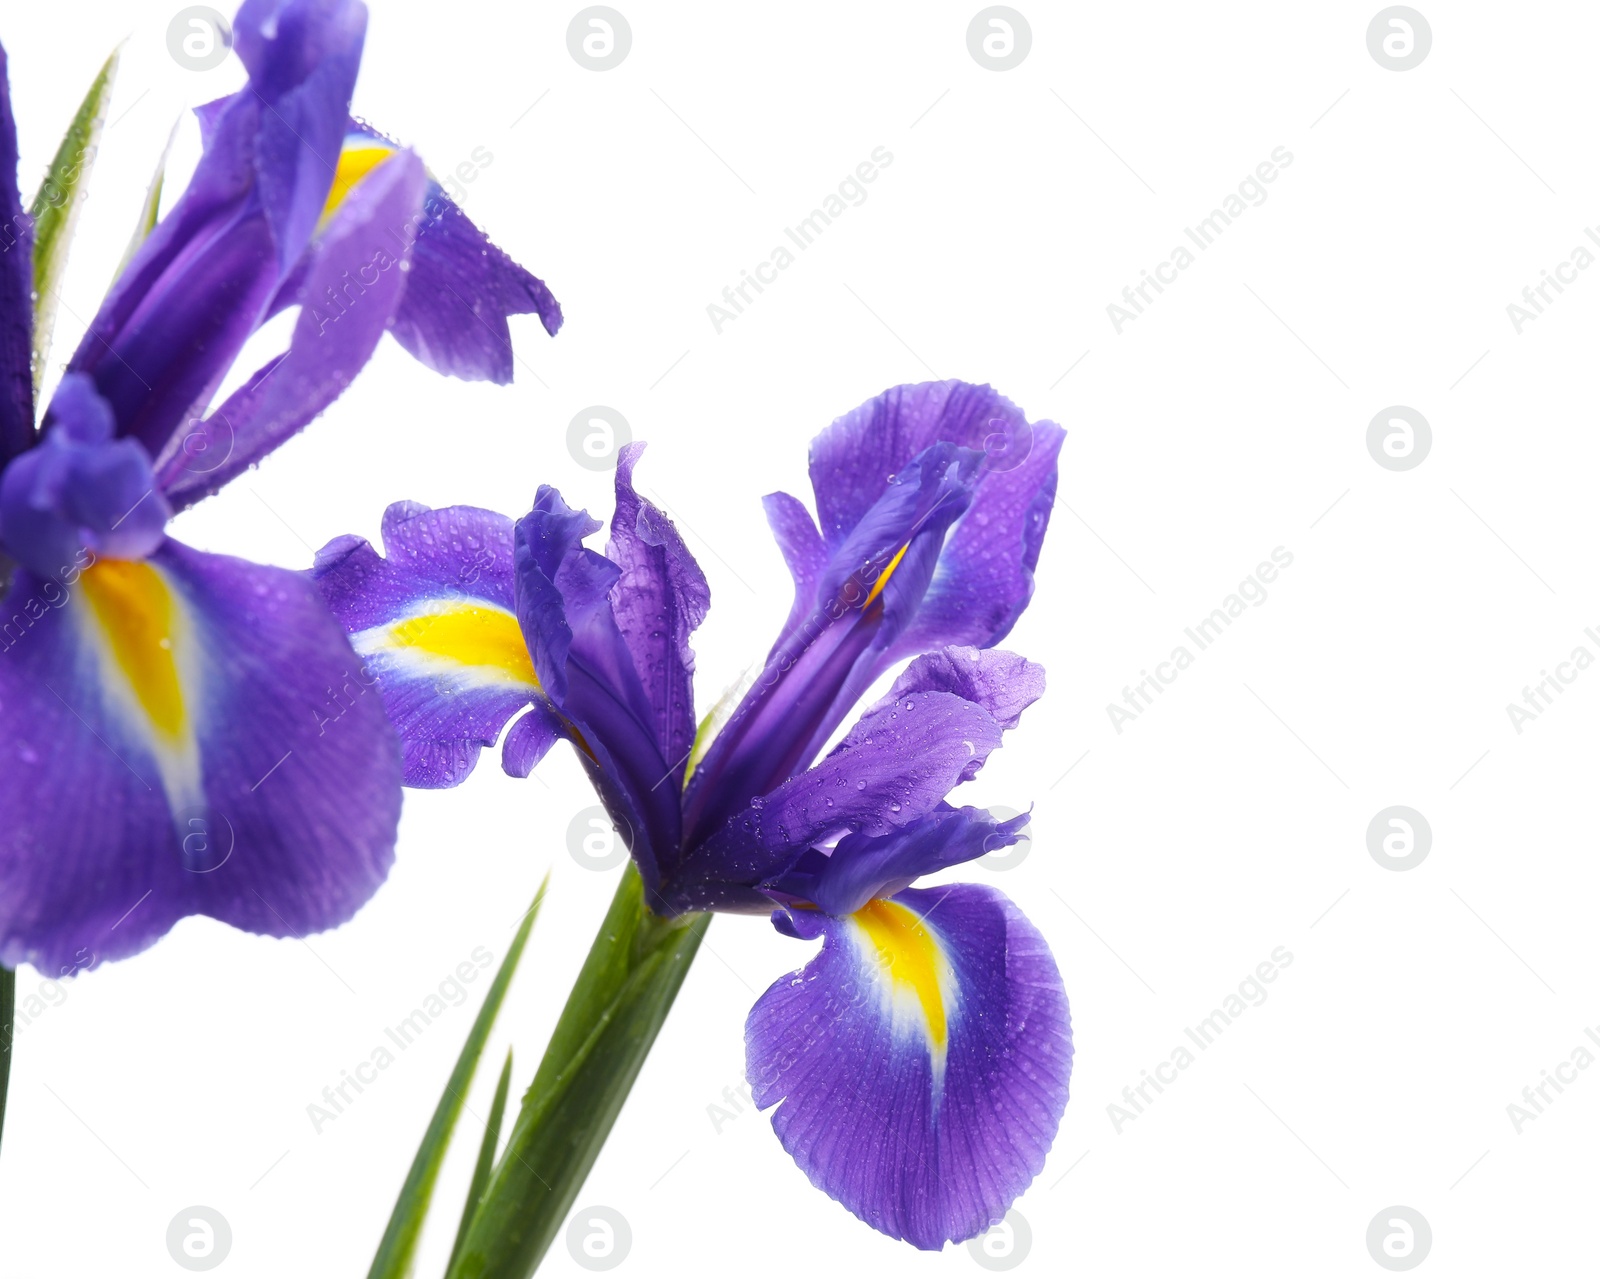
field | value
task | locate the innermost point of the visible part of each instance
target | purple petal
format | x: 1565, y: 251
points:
x: 457, y: 549
x: 659, y: 600
x: 529, y: 740
x: 985, y: 574
x: 80, y: 489
x: 237, y: 764
x: 175, y: 320
x: 863, y: 867
x: 895, y: 766
x: 434, y: 623
x: 302, y: 56
x: 834, y: 649
x: 919, y: 1063
x: 564, y: 600
x: 803, y: 551
x: 351, y: 288
x: 462, y: 289
x: 547, y: 539
x: 177, y: 317
x: 1003, y: 683
x: 16, y: 291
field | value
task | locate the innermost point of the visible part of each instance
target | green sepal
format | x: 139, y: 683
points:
x: 56, y: 207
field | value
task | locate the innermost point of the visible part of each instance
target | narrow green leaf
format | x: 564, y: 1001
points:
x: 622, y: 996
x: 56, y: 207
x: 150, y: 211
x: 399, y: 1242
x: 486, y: 1154
x: 8, y: 1004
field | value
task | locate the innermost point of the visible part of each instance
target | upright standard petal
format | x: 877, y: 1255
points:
x: 985, y: 575
x: 237, y: 763
x: 920, y: 1062
x: 933, y: 502
x: 803, y: 551
x: 436, y: 626
x: 834, y: 648
x: 16, y: 291
x: 565, y: 599
x: 660, y: 599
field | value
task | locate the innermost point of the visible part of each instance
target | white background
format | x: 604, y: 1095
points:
x: 1168, y: 860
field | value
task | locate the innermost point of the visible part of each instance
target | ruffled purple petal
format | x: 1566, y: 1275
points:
x: 349, y: 292
x: 434, y: 623
x: 932, y: 502
x: 461, y: 549
x: 16, y: 291
x: 660, y: 599
x: 223, y: 757
x: 920, y: 1062
x: 1004, y: 684
x: 985, y: 575
x: 564, y: 600
x: 79, y: 489
x: 863, y: 867
x: 462, y: 289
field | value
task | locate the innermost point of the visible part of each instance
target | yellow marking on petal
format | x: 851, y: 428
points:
x: 469, y: 635
x: 138, y: 616
x: 883, y: 577
x: 910, y: 956
x: 359, y: 158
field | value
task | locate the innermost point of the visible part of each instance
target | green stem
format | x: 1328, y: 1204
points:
x: 610, y: 1022
x: 8, y: 1004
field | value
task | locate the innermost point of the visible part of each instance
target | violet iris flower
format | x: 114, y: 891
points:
x: 180, y: 732
x: 920, y: 1061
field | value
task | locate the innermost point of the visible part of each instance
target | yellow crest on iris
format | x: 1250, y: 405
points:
x: 359, y: 156
x: 472, y: 638
x: 140, y: 629
x: 137, y: 618
x: 917, y: 975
